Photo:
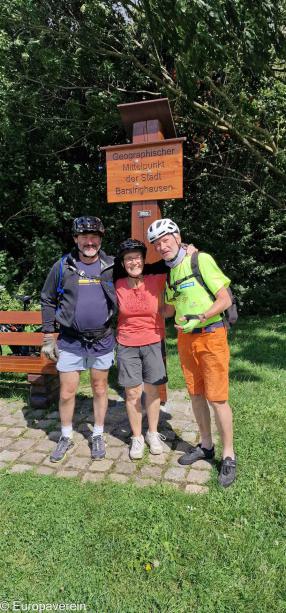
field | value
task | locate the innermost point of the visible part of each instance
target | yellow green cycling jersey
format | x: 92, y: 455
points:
x: 189, y: 297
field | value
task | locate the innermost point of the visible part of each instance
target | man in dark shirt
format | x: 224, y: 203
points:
x: 79, y: 297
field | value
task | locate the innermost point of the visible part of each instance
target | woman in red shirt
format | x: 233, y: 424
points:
x: 140, y: 333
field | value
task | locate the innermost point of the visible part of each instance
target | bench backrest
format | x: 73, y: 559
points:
x: 26, y: 364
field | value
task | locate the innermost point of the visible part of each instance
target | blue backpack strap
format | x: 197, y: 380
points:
x: 60, y: 289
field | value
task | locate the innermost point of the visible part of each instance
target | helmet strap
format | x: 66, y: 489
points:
x: 175, y: 257
x: 179, y: 246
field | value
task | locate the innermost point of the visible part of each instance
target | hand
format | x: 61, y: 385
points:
x: 202, y: 318
x: 50, y: 348
x: 187, y: 318
x: 191, y: 249
x: 178, y: 327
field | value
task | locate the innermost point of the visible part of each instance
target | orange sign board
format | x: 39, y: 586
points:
x: 151, y: 171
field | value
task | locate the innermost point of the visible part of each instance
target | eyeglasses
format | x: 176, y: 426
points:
x: 134, y: 258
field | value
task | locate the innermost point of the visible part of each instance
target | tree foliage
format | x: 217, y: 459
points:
x: 64, y: 68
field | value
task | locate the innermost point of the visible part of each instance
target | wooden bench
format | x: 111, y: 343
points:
x: 42, y: 373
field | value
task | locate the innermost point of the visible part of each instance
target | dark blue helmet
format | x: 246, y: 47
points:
x: 131, y: 244
x: 87, y: 225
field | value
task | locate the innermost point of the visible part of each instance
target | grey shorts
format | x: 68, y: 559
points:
x: 138, y: 365
x: 69, y: 362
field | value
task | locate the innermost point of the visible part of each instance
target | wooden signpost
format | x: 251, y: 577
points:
x: 144, y: 172
x: 148, y: 170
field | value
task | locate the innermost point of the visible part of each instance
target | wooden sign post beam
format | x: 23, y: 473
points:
x: 150, y: 122
x: 144, y: 213
x: 152, y: 164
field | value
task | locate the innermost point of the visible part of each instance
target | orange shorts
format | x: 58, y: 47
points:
x: 205, y: 361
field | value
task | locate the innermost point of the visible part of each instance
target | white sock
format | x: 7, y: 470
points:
x: 67, y: 431
x: 97, y: 430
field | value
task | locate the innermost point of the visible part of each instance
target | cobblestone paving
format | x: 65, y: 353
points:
x: 28, y: 436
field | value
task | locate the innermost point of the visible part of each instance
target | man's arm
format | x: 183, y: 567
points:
x: 160, y: 267
x: 119, y: 271
x: 49, y: 300
x: 222, y: 302
x: 156, y: 268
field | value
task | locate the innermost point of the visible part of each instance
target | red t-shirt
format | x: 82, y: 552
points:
x: 139, y: 320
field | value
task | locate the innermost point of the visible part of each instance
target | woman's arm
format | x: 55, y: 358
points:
x: 157, y: 268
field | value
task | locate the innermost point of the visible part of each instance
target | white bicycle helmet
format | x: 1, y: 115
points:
x: 160, y: 228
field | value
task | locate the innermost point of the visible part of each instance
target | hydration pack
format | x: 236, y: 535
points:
x: 60, y: 290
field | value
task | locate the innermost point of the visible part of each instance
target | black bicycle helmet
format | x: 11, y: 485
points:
x: 131, y: 244
x: 87, y: 225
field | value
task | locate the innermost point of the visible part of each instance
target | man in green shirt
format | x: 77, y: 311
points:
x: 202, y: 341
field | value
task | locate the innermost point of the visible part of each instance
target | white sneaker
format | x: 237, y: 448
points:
x: 137, y: 447
x: 153, y: 439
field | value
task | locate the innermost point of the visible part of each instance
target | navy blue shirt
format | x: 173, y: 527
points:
x: 91, y: 312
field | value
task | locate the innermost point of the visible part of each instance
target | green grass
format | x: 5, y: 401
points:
x: 224, y: 551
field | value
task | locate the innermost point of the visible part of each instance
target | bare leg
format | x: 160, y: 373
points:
x: 99, y: 385
x: 68, y: 387
x: 152, y: 405
x: 202, y: 415
x: 223, y: 417
x: 134, y: 410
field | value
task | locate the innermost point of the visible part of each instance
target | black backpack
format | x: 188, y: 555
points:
x: 230, y: 316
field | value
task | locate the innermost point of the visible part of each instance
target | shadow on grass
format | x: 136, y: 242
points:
x: 261, y: 342
x: 241, y: 374
x: 14, y: 386
x: 270, y: 351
